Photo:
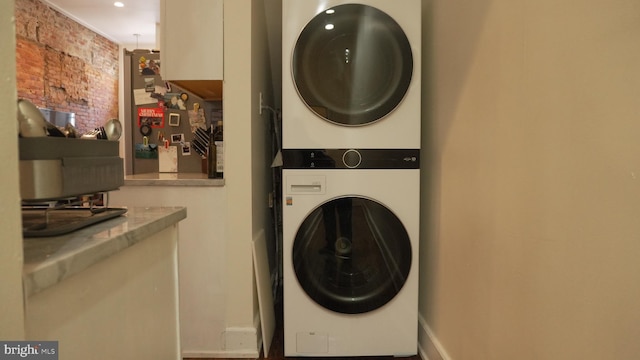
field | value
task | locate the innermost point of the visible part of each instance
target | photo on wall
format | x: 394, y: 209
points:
x: 152, y: 117
x: 146, y: 151
x: 148, y: 66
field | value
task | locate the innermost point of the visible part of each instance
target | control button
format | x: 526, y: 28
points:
x: 351, y: 158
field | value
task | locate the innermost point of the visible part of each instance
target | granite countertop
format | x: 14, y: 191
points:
x: 49, y: 260
x: 171, y: 179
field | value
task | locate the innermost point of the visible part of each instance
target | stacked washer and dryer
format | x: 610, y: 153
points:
x: 351, y: 152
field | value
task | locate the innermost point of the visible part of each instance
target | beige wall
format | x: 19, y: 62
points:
x: 531, y: 233
x: 11, y: 308
x: 247, y: 174
x: 237, y: 113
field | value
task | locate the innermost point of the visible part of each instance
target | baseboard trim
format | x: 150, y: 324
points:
x: 220, y: 354
x: 238, y: 342
x: 422, y: 353
x: 429, y: 347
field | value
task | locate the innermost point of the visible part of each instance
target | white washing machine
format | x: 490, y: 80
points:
x: 351, y: 74
x: 350, y: 243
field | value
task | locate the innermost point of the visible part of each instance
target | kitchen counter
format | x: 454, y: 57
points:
x: 49, y: 260
x: 171, y: 179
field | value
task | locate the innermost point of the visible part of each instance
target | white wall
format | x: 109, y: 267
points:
x: 11, y: 301
x: 201, y: 263
x: 531, y: 203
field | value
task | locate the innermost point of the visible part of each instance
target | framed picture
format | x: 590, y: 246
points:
x: 186, y: 149
x: 174, y: 119
x: 177, y: 138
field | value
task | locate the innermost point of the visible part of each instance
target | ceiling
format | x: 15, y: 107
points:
x: 116, y: 24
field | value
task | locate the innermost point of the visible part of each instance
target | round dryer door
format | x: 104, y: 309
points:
x: 352, y: 64
x: 352, y: 255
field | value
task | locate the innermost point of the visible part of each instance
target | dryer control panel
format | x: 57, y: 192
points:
x: 351, y: 158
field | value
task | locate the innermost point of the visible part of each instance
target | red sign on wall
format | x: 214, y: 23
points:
x: 153, y: 117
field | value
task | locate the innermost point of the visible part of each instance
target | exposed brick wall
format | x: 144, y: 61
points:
x: 64, y: 66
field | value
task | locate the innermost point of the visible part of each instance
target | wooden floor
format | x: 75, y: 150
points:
x: 276, y: 352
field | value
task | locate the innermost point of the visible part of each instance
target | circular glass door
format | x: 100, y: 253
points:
x: 351, y: 255
x: 352, y: 64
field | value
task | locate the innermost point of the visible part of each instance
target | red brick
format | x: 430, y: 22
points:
x: 64, y: 66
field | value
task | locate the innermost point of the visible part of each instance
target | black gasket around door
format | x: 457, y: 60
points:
x: 352, y: 255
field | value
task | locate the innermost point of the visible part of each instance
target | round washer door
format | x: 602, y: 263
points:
x: 351, y: 255
x: 352, y: 64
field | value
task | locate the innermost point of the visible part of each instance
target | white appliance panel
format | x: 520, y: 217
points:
x: 303, y: 128
x: 311, y: 329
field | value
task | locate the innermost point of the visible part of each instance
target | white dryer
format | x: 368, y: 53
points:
x: 351, y: 74
x: 350, y: 243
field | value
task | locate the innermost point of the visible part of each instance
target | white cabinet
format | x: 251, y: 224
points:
x: 122, y: 307
x: 191, y: 39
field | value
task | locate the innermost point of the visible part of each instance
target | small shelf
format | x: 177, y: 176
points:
x: 208, y: 90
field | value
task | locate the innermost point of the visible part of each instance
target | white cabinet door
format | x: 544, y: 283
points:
x: 191, y: 39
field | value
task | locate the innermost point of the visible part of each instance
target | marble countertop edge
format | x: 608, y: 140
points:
x: 172, y: 179
x: 80, y: 250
